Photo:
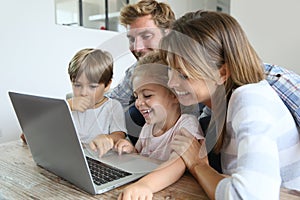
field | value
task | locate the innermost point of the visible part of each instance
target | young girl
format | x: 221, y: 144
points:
x: 162, y: 113
x: 100, y: 121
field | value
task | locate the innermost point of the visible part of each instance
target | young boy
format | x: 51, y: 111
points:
x: 100, y: 121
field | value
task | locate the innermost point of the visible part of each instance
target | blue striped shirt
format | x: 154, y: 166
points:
x: 287, y: 85
x: 123, y: 92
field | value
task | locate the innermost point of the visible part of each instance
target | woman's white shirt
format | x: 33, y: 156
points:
x: 261, y: 150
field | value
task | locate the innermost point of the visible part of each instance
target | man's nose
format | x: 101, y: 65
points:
x: 138, y: 44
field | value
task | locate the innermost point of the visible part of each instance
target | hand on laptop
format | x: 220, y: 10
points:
x: 102, y: 144
x: 80, y: 104
x: 124, y: 145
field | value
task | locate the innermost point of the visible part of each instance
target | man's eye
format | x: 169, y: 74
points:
x: 131, y: 39
x: 147, y: 36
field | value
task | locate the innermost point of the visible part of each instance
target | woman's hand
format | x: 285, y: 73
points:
x: 136, y: 191
x: 124, y: 145
x: 102, y: 143
x: 192, y: 151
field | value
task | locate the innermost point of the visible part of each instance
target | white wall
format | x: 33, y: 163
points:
x: 273, y: 29
x: 35, y: 54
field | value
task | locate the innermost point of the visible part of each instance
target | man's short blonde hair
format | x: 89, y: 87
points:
x: 161, y: 13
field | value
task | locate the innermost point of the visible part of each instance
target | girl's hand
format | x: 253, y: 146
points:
x: 124, y: 145
x: 187, y: 146
x: 136, y: 191
x: 102, y: 143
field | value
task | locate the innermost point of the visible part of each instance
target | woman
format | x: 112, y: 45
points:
x: 257, y: 136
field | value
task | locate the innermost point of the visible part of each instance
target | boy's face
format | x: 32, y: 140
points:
x: 83, y: 88
x: 154, y: 102
x: 144, y: 36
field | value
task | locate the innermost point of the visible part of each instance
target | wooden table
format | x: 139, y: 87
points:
x: 21, y: 178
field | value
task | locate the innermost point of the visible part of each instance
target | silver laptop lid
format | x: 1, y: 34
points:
x: 51, y: 137
x: 54, y: 143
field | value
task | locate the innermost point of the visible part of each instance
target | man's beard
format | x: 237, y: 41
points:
x: 139, y: 54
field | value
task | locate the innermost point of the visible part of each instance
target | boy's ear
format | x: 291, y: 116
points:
x: 108, y: 86
x: 224, y: 74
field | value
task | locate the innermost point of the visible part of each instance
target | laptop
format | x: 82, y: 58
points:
x: 52, y: 138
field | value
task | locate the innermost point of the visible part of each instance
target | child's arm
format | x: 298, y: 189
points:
x: 104, y: 142
x: 167, y: 174
x: 124, y: 145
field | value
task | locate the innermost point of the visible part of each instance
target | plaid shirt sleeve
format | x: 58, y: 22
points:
x: 287, y: 85
x: 123, y: 92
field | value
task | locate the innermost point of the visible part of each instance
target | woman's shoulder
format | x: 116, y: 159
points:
x: 253, y: 92
x: 252, y: 87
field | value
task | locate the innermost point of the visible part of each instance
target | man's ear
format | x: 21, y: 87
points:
x: 108, y: 86
x: 167, y: 31
x: 224, y: 74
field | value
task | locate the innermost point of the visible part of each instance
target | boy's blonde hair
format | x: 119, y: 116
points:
x: 96, y: 64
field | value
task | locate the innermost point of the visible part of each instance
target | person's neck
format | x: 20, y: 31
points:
x: 100, y: 102
x: 162, y: 127
x: 207, y: 103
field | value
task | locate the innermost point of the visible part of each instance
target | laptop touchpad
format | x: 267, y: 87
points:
x: 132, y: 163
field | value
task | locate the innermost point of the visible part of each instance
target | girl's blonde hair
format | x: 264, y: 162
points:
x: 151, y: 69
x: 96, y: 64
x: 200, y: 43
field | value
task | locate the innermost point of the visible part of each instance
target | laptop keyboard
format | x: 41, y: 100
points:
x: 102, y: 173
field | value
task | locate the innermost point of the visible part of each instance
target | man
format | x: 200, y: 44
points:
x: 147, y: 22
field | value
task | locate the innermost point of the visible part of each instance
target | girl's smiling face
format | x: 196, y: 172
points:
x: 154, y: 101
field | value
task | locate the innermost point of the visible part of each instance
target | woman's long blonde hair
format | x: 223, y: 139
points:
x: 200, y: 43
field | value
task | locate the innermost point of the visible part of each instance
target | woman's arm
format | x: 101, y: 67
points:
x: 193, y: 152
x: 168, y: 173
x: 207, y: 177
